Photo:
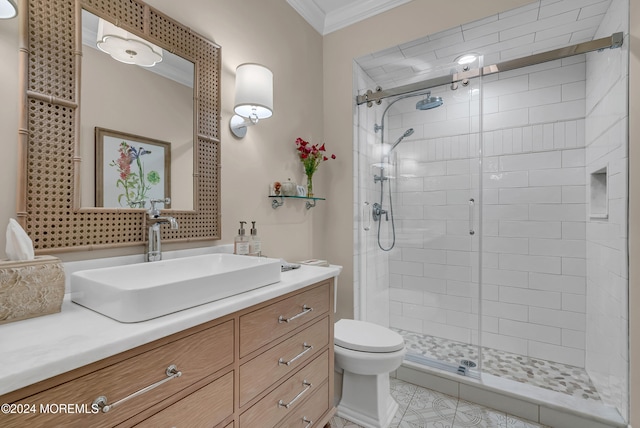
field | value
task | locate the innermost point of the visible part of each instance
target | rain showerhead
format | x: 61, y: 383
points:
x: 399, y: 140
x: 429, y: 102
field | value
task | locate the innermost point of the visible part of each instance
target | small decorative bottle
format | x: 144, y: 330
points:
x: 241, y: 243
x: 255, y: 246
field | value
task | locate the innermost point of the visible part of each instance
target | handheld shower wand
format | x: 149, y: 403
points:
x: 407, y: 133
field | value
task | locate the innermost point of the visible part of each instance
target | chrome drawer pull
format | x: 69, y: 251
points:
x: 297, y: 397
x: 305, y: 310
x: 172, y: 372
x: 307, y: 348
x: 307, y: 421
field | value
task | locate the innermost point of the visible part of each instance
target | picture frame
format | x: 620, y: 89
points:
x: 130, y: 169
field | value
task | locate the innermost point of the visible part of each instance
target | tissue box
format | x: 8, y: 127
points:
x: 30, y: 288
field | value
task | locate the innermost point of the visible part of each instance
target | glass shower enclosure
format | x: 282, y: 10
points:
x: 491, y: 227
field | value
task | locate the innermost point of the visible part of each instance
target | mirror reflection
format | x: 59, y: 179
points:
x: 142, y: 96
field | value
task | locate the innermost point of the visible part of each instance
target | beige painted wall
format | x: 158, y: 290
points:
x: 273, y: 34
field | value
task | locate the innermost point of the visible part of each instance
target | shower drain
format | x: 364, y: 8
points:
x: 465, y: 365
x: 468, y: 364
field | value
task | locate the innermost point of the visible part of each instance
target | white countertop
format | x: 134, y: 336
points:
x: 39, y: 348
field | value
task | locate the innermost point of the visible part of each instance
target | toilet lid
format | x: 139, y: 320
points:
x: 366, y: 337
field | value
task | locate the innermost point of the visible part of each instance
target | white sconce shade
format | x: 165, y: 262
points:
x: 8, y: 9
x: 254, y: 97
x: 254, y: 91
x: 126, y: 47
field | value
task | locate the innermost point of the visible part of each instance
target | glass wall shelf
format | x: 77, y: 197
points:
x: 278, y: 201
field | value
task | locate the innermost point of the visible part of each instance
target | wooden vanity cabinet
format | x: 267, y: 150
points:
x: 197, y: 354
x: 286, y: 358
x: 265, y: 366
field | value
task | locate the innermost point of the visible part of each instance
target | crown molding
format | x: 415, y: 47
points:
x: 310, y: 11
x: 358, y: 11
x: 343, y: 16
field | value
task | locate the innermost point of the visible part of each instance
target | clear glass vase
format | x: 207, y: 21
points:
x: 309, y: 185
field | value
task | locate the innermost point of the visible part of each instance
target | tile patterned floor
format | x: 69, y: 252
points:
x: 424, y: 408
x: 541, y: 373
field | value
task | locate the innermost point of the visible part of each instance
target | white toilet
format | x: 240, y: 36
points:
x: 367, y: 353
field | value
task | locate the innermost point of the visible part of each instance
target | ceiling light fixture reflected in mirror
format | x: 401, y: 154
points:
x: 126, y: 47
x: 8, y: 9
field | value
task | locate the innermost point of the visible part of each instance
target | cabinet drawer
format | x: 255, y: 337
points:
x: 310, y: 411
x: 264, y: 325
x: 195, y: 356
x: 265, y: 369
x: 204, y: 408
x: 280, y: 402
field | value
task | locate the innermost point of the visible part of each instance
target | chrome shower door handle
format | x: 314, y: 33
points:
x: 366, y: 211
x: 472, y: 204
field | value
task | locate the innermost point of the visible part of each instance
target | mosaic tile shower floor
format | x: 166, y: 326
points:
x: 541, y: 373
x: 424, y: 408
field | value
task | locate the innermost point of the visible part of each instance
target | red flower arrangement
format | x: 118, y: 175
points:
x: 311, y: 156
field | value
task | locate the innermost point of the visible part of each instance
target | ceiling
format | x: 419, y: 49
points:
x: 331, y: 15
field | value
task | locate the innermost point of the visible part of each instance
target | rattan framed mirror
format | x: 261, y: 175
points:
x: 49, y: 206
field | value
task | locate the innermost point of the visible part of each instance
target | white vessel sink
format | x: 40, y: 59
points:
x: 139, y: 292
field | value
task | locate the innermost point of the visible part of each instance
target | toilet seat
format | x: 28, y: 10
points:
x: 366, y: 337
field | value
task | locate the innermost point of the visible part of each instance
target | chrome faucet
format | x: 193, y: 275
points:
x: 154, y: 252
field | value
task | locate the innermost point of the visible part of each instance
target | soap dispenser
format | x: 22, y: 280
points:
x: 254, y: 243
x: 241, y: 244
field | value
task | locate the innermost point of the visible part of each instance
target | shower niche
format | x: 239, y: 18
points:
x: 598, y: 192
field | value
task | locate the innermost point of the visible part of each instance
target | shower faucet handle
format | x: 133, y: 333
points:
x: 378, y: 212
x: 380, y: 177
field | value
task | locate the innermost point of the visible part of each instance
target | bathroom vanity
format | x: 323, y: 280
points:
x: 263, y: 358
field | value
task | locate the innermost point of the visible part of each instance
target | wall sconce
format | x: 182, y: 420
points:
x: 8, y: 9
x: 254, y: 97
x: 126, y: 47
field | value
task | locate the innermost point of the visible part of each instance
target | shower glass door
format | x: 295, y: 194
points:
x: 418, y: 192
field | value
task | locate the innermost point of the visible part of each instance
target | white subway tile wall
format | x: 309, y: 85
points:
x: 606, y: 249
x: 534, y: 205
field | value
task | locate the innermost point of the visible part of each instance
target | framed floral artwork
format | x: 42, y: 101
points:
x: 131, y: 170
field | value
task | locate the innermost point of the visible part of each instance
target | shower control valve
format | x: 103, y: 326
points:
x: 380, y: 177
x: 378, y: 212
